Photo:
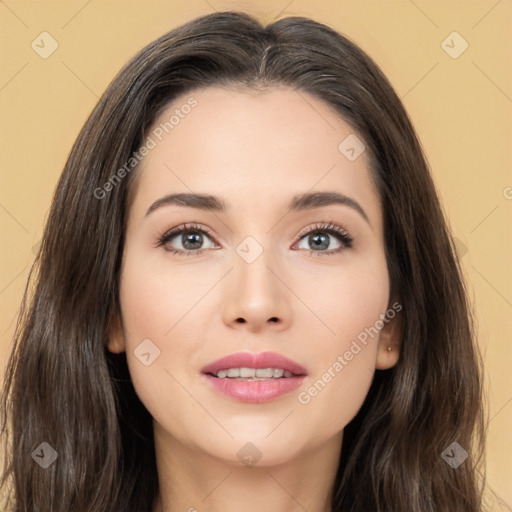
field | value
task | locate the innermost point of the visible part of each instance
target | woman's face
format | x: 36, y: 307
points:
x: 274, y: 270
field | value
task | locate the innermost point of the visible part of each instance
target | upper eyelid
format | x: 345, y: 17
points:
x: 324, y: 226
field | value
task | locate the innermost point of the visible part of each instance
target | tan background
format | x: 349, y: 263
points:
x: 460, y: 106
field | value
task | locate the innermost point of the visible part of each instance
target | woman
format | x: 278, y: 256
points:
x: 247, y: 295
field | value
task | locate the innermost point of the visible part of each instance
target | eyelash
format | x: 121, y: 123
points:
x: 329, y: 228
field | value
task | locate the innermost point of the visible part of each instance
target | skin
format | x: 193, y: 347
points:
x: 254, y: 150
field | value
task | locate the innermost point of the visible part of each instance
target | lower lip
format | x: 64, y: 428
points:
x: 255, y: 391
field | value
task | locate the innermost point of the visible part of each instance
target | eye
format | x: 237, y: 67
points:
x: 189, y: 240
x: 320, y: 238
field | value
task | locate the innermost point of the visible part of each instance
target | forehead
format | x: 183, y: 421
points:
x: 253, y: 145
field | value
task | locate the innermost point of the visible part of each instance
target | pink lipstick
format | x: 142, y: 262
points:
x: 254, y: 378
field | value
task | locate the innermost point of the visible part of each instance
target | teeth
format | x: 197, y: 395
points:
x: 253, y: 373
x: 248, y: 372
x: 277, y: 372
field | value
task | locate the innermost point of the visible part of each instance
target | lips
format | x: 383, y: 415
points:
x: 257, y: 361
x: 251, y: 390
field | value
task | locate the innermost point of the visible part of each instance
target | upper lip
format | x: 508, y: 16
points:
x: 249, y: 360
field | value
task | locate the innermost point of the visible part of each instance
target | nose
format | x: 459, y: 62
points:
x: 256, y: 297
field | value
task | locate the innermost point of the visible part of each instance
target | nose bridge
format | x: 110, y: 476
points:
x: 253, y: 261
x: 255, y: 294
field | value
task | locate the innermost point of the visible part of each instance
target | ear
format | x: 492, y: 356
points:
x: 389, y: 345
x: 116, y: 342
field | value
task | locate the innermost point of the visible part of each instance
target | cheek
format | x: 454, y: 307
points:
x: 144, y: 308
x: 157, y: 297
x: 152, y: 306
x: 351, y: 305
x: 345, y: 299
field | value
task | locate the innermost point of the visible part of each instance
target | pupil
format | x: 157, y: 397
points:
x: 319, y: 240
x: 192, y: 238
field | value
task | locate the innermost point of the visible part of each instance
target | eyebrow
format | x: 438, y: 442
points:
x: 301, y: 202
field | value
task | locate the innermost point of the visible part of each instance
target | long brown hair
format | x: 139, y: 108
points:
x: 63, y: 387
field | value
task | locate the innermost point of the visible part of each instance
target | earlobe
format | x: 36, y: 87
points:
x: 388, y: 350
x: 115, y: 343
x: 115, y: 346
